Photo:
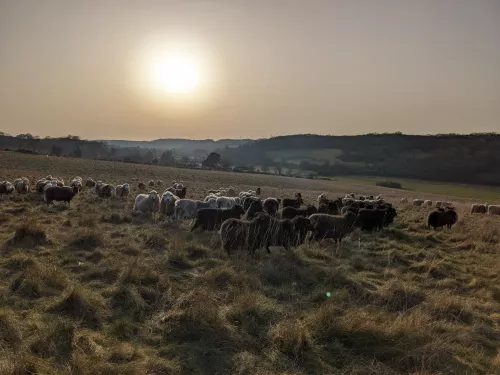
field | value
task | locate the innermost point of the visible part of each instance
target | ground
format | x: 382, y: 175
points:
x: 93, y: 289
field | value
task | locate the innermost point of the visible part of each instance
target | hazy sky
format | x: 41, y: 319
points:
x: 268, y: 67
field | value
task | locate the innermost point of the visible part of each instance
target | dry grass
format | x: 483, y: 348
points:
x: 92, y: 289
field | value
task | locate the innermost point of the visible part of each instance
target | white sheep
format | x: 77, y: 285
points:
x: 227, y: 202
x: 428, y: 203
x: 22, y: 185
x: 122, y: 191
x: 404, y: 200
x: 418, y: 202
x: 77, y: 183
x: 494, y: 209
x: 147, y: 203
x: 89, y: 182
x: 6, y: 188
x: 188, y: 208
x: 167, y: 203
x: 478, y: 208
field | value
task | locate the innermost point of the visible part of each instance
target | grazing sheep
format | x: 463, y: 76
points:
x: 104, y: 190
x: 291, y: 212
x: 478, y: 208
x: 428, y: 203
x: 22, y: 185
x: 212, y: 218
x: 159, y: 183
x: 167, y: 203
x: 238, y: 234
x: 254, y: 209
x: 59, y: 194
x: 90, y: 183
x: 296, y: 202
x: 147, y: 203
x: 122, y: 191
x: 330, y: 226
x: 271, y: 206
x: 187, y: 208
x: 370, y: 219
x: 404, y: 200
x: 6, y: 188
x: 440, y: 218
x: 181, y: 193
x: 493, y: 209
x: 227, y: 202
x: 418, y: 202
x: 141, y: 185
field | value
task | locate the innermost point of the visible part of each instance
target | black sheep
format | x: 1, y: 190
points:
x: 271, y: 206
x: 179, y: 193
x: 255, y: 208
x: 330, y: 207
x: 369, y: 219
x: 237, y: 234
x: 296, y: 202
x: 212, y: 218
x: 59, y: 194
x: 247, y: 201
x: 291, y: 212
x: 441, y: 218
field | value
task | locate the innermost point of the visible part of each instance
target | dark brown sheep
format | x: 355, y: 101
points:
x: 212, y: 218
x: 255, y: 208
x: 329, y: 226
x: 238, y: 234
x: 59, y: 194
x: 271, y: 206
x: 296, y: 202
x: 330, y: 207
x: 441, y: 218
x: 105, y: 190
x: 291, y: 212
x: 141, y: 185
x: 180, y: 193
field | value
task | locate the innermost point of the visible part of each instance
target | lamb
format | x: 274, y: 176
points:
x: 122, y: 191
x: 187, y: 208
x: 404, y: 200
x: 441, y: 218
x: 330, y: 226
x: 237, y: 233
x: 181, y: 193
x: 59, y: 194
x: 167, y: 203
x: 478, y: 209
x: 104, y: 190
x: 254, y: 209
x: 291, y: 212
x: 271, y: 206
x: 141, y: 185
x: 418, y: 202
x: 6, y: 188
x: 212, y: 218
x: 428, y: 203
x: 297, y: 202
x: 90, y: 183
x: 227, y: 202
x: 494, y: 209
x: 147, y: 203
x: 22, y: 185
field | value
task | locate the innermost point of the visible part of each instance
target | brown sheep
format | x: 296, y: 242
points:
x: 329, y: 226
x: 441, y: 218
x: 141, y: 185
x: 296, y: 202
x: 238, y: 234
x: 151, y: 183
x: 254, y: 209
x: 59, y: 194
x: 180, y: 193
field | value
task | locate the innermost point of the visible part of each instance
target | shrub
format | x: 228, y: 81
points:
x: 389, y: 184
x: 29, y: 234
x: 87, y: 240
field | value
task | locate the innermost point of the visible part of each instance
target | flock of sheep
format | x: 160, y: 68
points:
x: 244, y: 219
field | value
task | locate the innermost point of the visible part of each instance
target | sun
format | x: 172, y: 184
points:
x: 176, y: 74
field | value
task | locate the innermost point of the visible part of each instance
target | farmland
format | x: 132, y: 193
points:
x: 94, y: 289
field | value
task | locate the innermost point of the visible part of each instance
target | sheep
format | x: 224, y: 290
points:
x: 181, y: 193
x: 439, y: 204
x: 104, y: 190
x: 90, y: 183
x: 322, y: 199
x: 271, y: 206
x: 441, y: 218
x: 147, y: 203
x: 330, y: 207
x: 22, y: 185
x: 6, y: 188
x: 291, y: 212
x: 330, y: 226
x: 296, y: 202
x: 369, y: 219
x: 167, y: 203
x: 187, y: 208
x: 448, y: 205
x: 178, y: 185
x: 478, y: 208
x: 227, y: 202
x: 151, y: 183
x: 59, y: 194
x: 494, y: 209
x: 141, y: 185
x: 60, y: 181
x: 77, y: 183
x: 212, y: 218
x: 255, y: 208
x: 159, y: 183
x: 247, y: 201
x: 428, y: 203
x: 237, y: 233
x: 379, y: 197
x: 418, y: 202
x: 404, y: 200
x: 122, y: 191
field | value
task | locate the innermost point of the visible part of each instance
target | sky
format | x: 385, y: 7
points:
x: 266, y: 67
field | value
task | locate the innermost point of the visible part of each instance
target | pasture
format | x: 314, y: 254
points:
x: 94, y: 289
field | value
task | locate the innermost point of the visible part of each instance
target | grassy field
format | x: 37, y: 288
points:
x: 93, y: 289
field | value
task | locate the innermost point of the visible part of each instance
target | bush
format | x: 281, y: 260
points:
x: 389, y: 184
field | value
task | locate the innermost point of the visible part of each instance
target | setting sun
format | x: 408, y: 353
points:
x: 176, y: 74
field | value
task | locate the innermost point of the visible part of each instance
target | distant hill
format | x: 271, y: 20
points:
x: 472, y: 158
x: 182, y: 146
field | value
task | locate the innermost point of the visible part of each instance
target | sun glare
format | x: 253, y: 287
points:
x: 176, y: 74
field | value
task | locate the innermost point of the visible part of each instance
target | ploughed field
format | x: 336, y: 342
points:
x: 94, y: 289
